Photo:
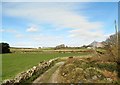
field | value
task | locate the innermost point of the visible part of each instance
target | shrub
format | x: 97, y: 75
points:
x: 111, y: 45
x: 4, y: 48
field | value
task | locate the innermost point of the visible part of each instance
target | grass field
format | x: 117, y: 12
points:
x: 14, y: 63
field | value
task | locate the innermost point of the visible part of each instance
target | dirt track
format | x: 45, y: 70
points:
x: 50, y: 76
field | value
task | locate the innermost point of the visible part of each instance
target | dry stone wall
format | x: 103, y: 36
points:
x: 34, y: 71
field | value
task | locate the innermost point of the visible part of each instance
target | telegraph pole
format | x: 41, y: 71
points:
x: 116, y: 34
x: 116, y: 38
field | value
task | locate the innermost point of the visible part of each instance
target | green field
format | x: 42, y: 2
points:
x: 14, y: 63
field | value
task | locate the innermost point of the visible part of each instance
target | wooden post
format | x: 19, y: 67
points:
x: 116, y: 33
x: 116, y: 38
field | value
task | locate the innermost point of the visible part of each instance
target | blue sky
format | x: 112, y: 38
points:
x: 45, y: 24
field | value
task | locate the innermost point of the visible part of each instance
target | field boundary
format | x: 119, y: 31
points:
x: 31, y: 73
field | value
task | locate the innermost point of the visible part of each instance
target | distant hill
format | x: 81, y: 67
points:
x: 96, y: 44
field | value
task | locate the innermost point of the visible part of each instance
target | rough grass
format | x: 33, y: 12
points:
x: 80, y: 70
x: 14, y: 63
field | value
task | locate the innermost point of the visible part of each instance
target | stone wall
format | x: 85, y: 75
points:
x: 33, y: 72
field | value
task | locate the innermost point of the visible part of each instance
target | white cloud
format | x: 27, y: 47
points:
x: 38, y: 41
x: 8, y: 30
x: 2, y: 30
x: 61, y: 17
x: 46, y: 40
x: 89, y: 33
x: 32, y: 29
x: 22, y: 44
x: 19, y: 36
x: 88, y: 36
x: 16, y: 33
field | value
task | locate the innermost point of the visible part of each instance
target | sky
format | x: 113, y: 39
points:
x: 47, y: 24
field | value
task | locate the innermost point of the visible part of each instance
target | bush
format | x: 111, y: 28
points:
x: 111, y: 46
x: 4, y: 48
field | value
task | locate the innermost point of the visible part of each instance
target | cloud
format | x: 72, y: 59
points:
x: 46, y: 40
x: 16, y: 33
x: 60, y: 16
x: 2, y: 30
x: 32, y: 29
x: 87, y: 33
x: 19, y: 36
x: 22, y: 44
x: 8, y: 30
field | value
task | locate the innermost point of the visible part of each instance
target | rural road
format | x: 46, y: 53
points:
x: 51, y: 75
